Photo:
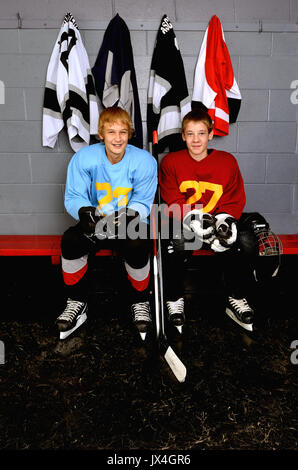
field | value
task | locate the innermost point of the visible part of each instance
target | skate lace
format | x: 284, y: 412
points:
x: 141, y: 311
x: 176, y: 307
x: 71, y: 311
x: 240, y: 305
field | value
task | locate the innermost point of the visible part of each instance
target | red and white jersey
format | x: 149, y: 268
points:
x: 213, y: 185
x: 214, y: 82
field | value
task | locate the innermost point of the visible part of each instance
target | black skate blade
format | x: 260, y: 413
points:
x: 246, y: 326
x: 80, y: 320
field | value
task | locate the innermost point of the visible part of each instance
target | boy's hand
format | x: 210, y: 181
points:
x: 115, y: 225
x: 226, y: 232
x: 202, y: 224
x: 88, y: 219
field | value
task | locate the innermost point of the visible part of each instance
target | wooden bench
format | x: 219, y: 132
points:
x: 49, y: 245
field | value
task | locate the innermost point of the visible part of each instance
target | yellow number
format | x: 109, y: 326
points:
x: 185, y: 185
x: 200, y: 187
x: 119, y: 191
x: 108, y: 197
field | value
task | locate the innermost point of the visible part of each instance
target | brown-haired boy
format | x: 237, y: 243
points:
x: 204, y: 190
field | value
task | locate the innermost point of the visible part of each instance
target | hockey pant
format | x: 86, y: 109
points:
x: 75, y: 249
x: 237, y: 265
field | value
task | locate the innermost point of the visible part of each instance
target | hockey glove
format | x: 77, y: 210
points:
x: 115, y: 225
x: 226, y: 232
x: 201, y: 224
x: 88, y: 219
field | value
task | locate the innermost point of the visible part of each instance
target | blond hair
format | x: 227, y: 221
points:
x: 112, y: 115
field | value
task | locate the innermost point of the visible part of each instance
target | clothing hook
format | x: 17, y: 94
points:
x: 19, y: 20
x: 260, y: 26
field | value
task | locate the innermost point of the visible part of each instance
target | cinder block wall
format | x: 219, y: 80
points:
x: 262, y: 37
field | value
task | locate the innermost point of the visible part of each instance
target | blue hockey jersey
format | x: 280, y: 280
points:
x: 92, y: 180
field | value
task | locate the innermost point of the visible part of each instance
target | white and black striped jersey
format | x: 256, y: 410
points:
x: 69, y: 98
x: 168, y: 98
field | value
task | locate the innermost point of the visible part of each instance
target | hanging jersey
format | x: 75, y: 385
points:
x: 214, y: 184
x: 168, y: 99
x: 92, y: 180
x: 214, y: 83
x: 69, y: 98
x: 115, y: 76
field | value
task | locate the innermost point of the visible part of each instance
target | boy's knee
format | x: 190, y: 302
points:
x: 136, y: 252
x: 71, y: 244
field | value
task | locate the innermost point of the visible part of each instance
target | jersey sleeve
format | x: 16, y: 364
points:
x: 78, y: 185
x: 144, y: 186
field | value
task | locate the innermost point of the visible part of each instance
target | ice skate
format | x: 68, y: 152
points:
x: 176, y: 313
x: 74, y: 315
x: 240, y: 312
x: 142, y: 317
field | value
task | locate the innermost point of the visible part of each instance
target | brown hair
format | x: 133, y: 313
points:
x: 112, y: 115
x: 198, y: 115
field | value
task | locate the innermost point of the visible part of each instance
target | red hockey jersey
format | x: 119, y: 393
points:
x: 215, y: 183
x: 214, y: 82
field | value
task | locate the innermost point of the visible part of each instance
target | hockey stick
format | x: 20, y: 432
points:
x: 176, y: 365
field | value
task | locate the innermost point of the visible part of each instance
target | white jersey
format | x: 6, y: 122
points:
x: 69, y: 97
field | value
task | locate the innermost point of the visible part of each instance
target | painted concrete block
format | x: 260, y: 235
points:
x: 24, y: 70
x: 13, y: 107
x: 254, y: 105
x: 22, y: 136
x: 145, y: 9
x: 9, y: 40
x: 25, y: 198
x: 275, y: 137
x: 87, y: 10
x: 49, y: 168
x: 193, y: 10
x: 248, y: 43
x: 36, y: 41
x: 267, y: 72
x: 285, y: 44
x: 282, y: 169
x: 267, y: 10
x: 15, y: 168
x: 268, y: 197
x: 281, y: 107
x: 252, y: 167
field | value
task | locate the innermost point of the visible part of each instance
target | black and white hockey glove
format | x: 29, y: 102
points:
x: 88, y: 219
x: 226, y: 232
x: 202, y: 224
x: 115, y: 225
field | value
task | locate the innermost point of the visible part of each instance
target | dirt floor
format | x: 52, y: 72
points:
x: 103, y: 389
